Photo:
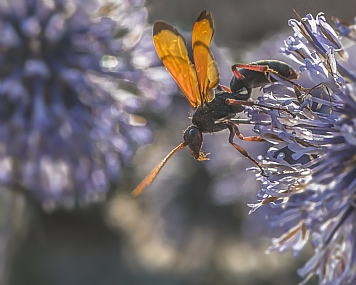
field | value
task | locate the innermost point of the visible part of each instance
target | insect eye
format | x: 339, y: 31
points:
x: 195, y: 136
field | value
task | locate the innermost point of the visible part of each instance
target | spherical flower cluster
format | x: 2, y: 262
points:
x: 311, y: 167
x: 70, y: 90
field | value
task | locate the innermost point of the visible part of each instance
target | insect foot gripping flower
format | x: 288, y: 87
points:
x: 67, y: 123
x: 312, y: 164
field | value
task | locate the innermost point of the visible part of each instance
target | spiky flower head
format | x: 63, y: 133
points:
x: 311, y: 166
x: 69, y: 92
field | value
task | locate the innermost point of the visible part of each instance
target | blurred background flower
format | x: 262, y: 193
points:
x: 76, y: 85
x: 190, y: 226
x: 71, y: 89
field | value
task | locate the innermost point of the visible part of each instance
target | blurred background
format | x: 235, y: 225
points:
x: 191, y: 226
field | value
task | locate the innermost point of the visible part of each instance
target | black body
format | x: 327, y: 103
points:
x: 205, y: 116
x: 209, y: 118
x: 254, y: 79
x: 214, y: 116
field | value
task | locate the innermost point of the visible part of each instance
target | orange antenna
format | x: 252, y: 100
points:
x: 150, y: 177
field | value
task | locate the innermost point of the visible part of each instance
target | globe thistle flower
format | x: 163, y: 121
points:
x: 311, y: 165
x: 70, y: 91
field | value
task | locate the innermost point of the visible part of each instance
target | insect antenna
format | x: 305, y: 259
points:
x: 152, y: 175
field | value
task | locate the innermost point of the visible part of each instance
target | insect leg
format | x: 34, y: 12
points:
x: 236, y: 103
x: 234, y: 130
x: 238, y: 82
x: 300, y: 97
x: 233, y: 127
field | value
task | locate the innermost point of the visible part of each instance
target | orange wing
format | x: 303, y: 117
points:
x: 205, y: 65
x: 172, y: 50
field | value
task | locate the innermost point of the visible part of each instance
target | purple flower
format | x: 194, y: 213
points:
x: 311, y: 165
x: 70, y: 92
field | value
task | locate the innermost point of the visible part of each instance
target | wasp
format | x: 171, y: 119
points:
x: 213, y: 111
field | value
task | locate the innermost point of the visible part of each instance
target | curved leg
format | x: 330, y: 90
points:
x: 238, y: 83
x: 234, y: 102
x: 234, y: 130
